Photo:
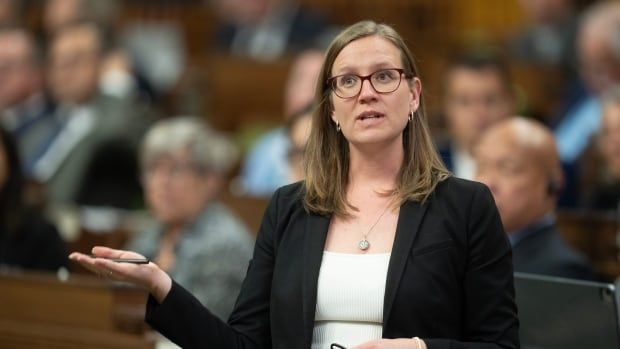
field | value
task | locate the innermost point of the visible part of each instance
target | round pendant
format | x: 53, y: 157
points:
x: 363, y: 244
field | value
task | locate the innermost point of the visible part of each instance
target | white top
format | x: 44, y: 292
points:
x: 349, y: 304
x: 463, y: 163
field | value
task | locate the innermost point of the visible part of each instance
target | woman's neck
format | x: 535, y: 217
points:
x: 375, y: 167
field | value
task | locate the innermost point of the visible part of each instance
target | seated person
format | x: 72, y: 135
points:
x: 298, y: 128
x: 607, y: 192
x: 27, y: 240
x: 197, y: 239
x: 266, y: 30
x: 265, y: 167
x: 478, y: 93
x: 87, y: 123
x: 25, y: 110
x: 518, y: 160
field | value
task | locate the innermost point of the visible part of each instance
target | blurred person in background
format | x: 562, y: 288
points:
x: 93, y: 158
x: 266, y: 167
x: 25, y: 110
x: 119, y: 73
x: 11, y: 12
x: 298, y: 128
x: 27, y: 240
x: 268, y: 29
x: 549, y: 37
x: 197, y: 239
x: 478, y: 93
x: 598, y: 58
x: 59, y: 13
x: 518, y: 159
x: 606, y: 194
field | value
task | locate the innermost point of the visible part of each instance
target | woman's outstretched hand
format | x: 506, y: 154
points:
x: 150, y: 276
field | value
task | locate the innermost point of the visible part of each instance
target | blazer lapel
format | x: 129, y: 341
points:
x: 314, y: 243
x: 409, y: 219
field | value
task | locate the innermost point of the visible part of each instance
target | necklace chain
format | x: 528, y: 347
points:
x: 364, y: 244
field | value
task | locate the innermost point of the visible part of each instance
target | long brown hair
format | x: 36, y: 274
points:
x: 327, y: 153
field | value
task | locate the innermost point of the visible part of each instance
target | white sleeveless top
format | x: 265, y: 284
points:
x: 349, y: 304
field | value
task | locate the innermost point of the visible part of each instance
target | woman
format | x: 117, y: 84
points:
x: 197, y: 240
x: 27, y: 240
x: 378, y: 242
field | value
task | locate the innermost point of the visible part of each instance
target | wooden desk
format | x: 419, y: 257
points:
x: 595, y: 234
x: 39, y: 311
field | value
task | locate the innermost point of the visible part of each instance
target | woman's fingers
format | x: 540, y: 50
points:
x: 146, y: 275
x: 119, y: 271
x: 82, y: 259
x: 124, y: 271
x: 106, y: 252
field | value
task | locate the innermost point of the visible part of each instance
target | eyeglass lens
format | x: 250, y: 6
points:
x: 382, y: 81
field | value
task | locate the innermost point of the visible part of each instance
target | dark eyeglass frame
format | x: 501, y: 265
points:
x: 332, y: 85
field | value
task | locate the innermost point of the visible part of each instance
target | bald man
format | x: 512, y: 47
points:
x: 518, y: 160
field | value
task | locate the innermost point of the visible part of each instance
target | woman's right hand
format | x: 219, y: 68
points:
x: 148, y: 275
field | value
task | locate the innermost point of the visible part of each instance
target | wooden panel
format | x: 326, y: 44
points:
x: 539, y: 97
x: 485, y: 19
x: 595, y: 234
x: 39, y: 311
x: 40, y: 298
x: 249, y: 209
x: 22, y: 335
x: 243, y: 91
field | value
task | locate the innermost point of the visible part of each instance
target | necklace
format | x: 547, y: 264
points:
x: 364, y: 244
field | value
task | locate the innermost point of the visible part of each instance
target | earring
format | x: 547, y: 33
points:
x: 337, y: 126
x: 410, y: 116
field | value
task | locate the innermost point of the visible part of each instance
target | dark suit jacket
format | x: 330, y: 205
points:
x: 303, y: 30
x: 101, y: 168
x: 545, y: 252
x: 35, y: 245
x: 449, y: 279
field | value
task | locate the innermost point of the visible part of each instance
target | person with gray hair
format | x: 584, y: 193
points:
x: 197, y: 239
x: 598, y: 53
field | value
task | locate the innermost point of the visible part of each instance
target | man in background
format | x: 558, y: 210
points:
x: 24, y: 108
x: 92, y: 160
x: 478, y: 93
x: 518, y: 160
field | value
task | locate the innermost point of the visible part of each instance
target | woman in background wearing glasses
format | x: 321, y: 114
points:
x: 379, y: 247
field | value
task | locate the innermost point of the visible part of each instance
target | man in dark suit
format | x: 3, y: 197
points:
x: 478, y: 93
x: 25, y: 111
x: 268, y: 29
x: 518, y: 160
x: 92, y: 159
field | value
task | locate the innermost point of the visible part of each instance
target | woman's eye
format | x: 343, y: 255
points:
x: 384, y: 76
x: 348, y: 81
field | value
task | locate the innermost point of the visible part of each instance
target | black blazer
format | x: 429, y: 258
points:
x: 449, y: 279
x: 544, y: 251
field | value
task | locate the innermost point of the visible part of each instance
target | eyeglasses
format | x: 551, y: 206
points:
x: 383, y: 81
x: 170, y: 169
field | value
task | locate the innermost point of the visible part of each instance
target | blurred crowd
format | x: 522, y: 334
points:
x: 95, y: 129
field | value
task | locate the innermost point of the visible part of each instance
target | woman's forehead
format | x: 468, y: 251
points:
x: 367, y: 53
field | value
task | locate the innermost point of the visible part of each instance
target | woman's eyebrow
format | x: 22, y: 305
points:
x: 348, y: 69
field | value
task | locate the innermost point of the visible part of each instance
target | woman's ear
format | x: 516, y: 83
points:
x: 416, y: 93
x: 333, y: 116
